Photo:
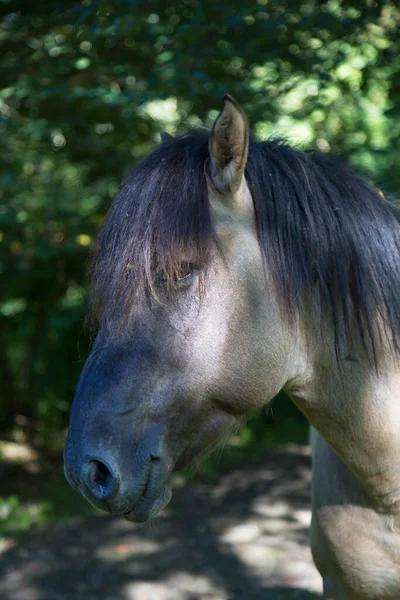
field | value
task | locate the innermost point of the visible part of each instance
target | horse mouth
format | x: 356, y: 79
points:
x: 156, y: 494
x: 148, y: 506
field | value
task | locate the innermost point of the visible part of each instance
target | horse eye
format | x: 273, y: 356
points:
x: 186, y: 271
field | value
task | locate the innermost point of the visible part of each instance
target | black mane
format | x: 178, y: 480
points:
x: 326, y: 235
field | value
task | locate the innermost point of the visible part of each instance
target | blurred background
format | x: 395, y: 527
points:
x: 86, y: 88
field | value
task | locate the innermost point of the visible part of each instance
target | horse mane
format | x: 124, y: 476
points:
x: 327, y: 236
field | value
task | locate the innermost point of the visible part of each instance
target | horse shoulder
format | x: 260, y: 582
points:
x: 356, y: 550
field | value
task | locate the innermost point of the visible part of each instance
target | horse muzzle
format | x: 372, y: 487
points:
x: 137, y: 488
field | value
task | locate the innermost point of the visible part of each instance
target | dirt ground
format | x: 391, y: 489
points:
x: 243, y: 536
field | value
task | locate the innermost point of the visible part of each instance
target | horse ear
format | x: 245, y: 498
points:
x: 229, y: 146
x: 166, y: 137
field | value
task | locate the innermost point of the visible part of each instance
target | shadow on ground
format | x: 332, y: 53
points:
x: 243, y: 536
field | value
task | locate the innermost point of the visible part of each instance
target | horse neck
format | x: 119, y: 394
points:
x: 356, y: 409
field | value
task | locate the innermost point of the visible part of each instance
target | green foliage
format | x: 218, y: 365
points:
x: 86, y: 88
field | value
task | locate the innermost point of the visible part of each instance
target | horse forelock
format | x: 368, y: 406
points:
x: 325, y: 234
x: 159, y: 221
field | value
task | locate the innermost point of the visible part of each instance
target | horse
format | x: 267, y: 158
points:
x: 229, y: 269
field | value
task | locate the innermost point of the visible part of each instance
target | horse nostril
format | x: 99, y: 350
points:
x: 100, y: 480
x: 101, y: 473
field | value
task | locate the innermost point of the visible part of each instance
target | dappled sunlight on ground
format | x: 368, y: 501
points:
x: 243, y: 536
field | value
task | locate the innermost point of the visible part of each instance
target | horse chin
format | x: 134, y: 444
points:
x: 185, y: 461
x: 193, y: 456
x: 215, y: 436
